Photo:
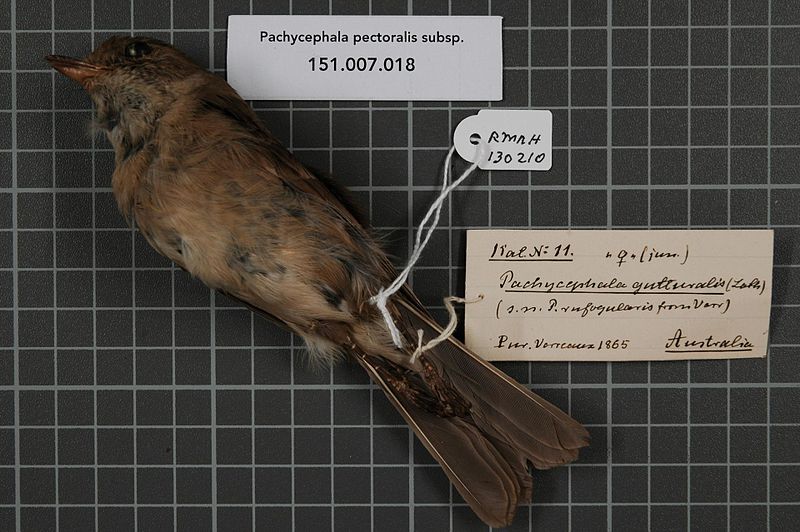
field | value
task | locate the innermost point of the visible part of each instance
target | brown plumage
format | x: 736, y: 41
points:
x: 211, y: 189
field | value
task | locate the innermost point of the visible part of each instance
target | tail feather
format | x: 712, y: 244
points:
x: 500, y: 397
x: 509, y: 417
x: 485, y: 453
x: 492, y: 480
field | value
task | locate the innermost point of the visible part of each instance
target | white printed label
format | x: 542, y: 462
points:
x: 618, y: 295
x: 509, y: 139
x: 365, y: 57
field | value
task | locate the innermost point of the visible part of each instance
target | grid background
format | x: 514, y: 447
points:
x: 133, y: 398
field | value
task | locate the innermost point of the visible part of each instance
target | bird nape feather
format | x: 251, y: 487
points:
x: 210, y: 188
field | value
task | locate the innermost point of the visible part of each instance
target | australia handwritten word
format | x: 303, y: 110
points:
x: 618, y: 295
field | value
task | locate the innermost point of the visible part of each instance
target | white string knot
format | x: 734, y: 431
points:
x: 424, y: 234
x: 448, y: 331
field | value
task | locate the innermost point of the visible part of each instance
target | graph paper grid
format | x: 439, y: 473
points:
x: 133, y: 398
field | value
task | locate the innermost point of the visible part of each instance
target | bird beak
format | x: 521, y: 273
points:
x: 75, y: 69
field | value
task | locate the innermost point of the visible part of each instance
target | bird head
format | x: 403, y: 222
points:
x: 130, y: 79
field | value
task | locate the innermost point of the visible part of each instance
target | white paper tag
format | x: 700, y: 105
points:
x: 618, y: 295
x: 514, y: 139
x: 365, y: 57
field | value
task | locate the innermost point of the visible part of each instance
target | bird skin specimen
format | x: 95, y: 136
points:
x: 212, y: 190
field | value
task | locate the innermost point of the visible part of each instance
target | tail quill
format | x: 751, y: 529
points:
x: 484, y: 453
x: 491, y: 480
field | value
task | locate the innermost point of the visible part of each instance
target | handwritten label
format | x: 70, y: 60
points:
x: 513, y: 139
x: 365, y: 57
x: 618, y: 295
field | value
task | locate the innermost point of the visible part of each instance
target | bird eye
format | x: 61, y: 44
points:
x: 137, y: 49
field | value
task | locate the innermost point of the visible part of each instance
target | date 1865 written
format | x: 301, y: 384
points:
x: 504, y: 342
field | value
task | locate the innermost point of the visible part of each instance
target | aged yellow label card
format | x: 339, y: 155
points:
x: 618, y: 295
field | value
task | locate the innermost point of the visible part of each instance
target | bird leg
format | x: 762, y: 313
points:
x: 403, y: 387
x: 427, y: 391
x: 451, y: 401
